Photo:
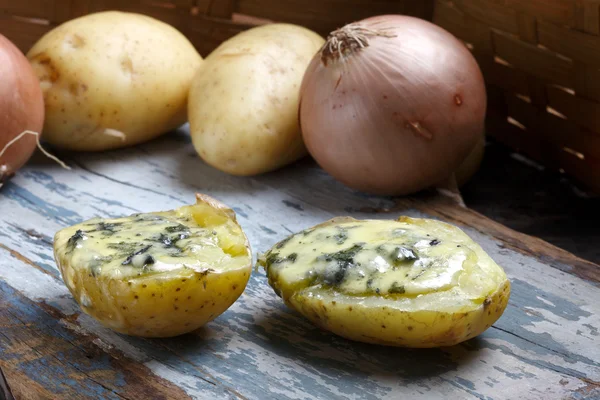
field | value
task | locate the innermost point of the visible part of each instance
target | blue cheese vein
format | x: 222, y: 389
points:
x: 380, y: 258
x: 141, y: 244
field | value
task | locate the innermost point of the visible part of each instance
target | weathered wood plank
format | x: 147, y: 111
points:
x: 547, y: 345
x: 38, y: 349
x: 5, y: 391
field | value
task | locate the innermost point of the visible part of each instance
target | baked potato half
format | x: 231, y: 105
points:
x: 411, y: 282
x: 158, y: 274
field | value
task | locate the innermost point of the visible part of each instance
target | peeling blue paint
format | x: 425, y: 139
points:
x: 43, y: 256
x: 466, y: 389
x: 240, y: 212
x: 527, y: 295
x: 48, y: 181
x: 50, y: 268
x: 593, y: 329
x: 32, y: 202
x: 591, y: 394
x: 67, y: 192
x: 32, y: 236
x: 293, y: 205
x: 511, y: 375
x: 465, y: 383
x: 516, y: 319
x: 109, y: 202
x: 529, y: 359
x: 268, y: 230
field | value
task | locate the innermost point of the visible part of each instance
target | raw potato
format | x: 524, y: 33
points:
x: 243, y: 106
x: 410, y: 283
x: 156, y: 275
x: 113, y: 79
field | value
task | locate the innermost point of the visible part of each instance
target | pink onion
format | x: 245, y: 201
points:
x: 21, y: 109
x: 392, y: 105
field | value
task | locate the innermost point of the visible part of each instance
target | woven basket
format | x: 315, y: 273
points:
x: 541, y: 61
x: 206, y: 23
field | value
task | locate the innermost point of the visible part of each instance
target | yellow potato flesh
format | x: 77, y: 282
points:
x: 187, y: 292
x: 424, y: 301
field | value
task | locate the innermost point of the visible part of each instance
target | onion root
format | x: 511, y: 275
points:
x: 450, y: 189
x: 4, y: 168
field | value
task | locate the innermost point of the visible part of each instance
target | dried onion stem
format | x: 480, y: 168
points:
x: 342, y: 42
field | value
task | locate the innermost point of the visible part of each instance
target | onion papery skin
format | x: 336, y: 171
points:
x: 21, y: 108
x: 398, y: 115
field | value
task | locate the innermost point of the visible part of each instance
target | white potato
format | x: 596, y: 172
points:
x: 113, y: 79
x: 243, y: 106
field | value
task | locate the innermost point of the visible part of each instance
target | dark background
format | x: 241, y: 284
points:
x: 532, y: 200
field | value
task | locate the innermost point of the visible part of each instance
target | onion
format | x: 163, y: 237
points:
x: 21, y: 109
x: 392, y: 105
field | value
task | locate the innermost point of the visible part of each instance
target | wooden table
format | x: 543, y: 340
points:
x: 546, y: 345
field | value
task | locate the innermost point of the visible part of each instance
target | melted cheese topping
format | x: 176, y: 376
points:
x: 410, y: 257
x: 151, y: 243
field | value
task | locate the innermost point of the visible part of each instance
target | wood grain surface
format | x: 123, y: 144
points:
x: 546, y: 345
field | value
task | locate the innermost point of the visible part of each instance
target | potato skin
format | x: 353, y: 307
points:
x: 243, y: 106
x: 392, y: 327
x: 164, y: 304
x: 113, y: 79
